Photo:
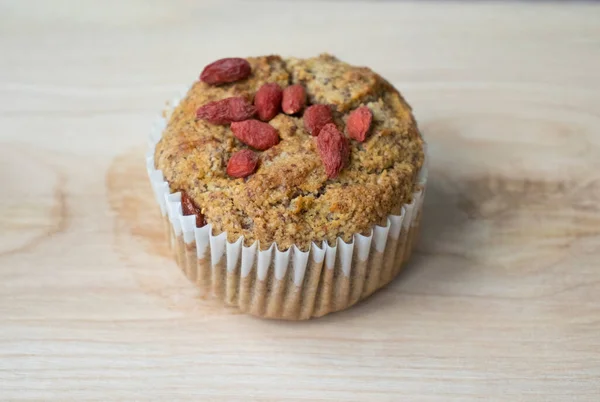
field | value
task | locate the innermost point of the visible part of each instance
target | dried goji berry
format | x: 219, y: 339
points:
x: 257, y: 134
x: 268, y: 101
x: 189, y: 208
x: 242, y: 163
x: 358, y: 123
x: 294, y: 98
x: 225, y: 70
x: 333, y: 149
x: 315, y: 117
x: 226, y: 110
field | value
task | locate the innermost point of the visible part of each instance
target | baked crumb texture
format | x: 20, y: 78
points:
x: 289, y: 200
x: 311, y: 245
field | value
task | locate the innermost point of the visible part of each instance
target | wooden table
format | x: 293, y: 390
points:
x: 501, y: 300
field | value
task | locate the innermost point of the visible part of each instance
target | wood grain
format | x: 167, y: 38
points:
x: 500, y: 302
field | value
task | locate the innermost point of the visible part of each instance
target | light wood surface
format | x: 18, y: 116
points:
x: 501, y: 300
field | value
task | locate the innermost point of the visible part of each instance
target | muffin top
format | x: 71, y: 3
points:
x: 290, y: 197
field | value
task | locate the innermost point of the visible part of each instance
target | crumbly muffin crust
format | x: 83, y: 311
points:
x: 289, y: 199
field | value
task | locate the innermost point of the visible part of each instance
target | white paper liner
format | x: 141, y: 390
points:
x: 251, y: 278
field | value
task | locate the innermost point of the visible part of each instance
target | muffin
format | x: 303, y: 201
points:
x: 290, y: 188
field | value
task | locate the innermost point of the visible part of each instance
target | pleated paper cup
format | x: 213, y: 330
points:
x: 291, y: 284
